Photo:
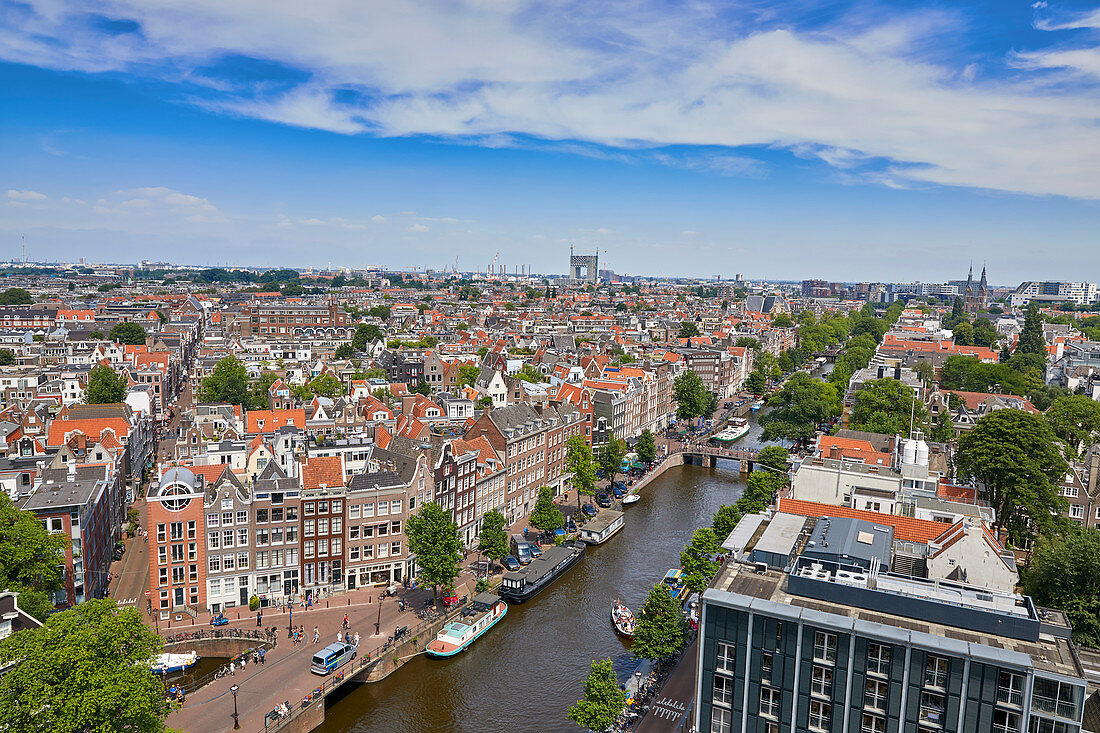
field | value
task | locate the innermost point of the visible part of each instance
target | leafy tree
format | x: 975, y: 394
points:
x: 687, y: 330
x: 1076, y: 421
x: 7, y: 357
x: 326, y: 385
x: 725, y: 519
x: 15, y: 296
x: 1031, y: 336
x: 749, y: 342
x: 943, y: 429
x: 985, y: 333
x: 603, y: 699
x: 799, y: 407
x: 105, y: 387
x: 661, y: 630
x: 85, y: 670
x: 890, y: 405
x: 579, y: 462
x: 345, y: 351
x: 1014, y: 457
x: 757, y: 382
x: 381, y: 312
x: 228, y: 382
x: 467, y: 375
x: 691, y: 395
x: 963, y: 333
x: 365, y: 334
x: 530, y: 373
x: 96, y: 335
x: 433, y: 538
x: 546, y: 515
x: 609, y: 458
x: 957, y: 313
x: 492, y: 540
x: 697, y: 559
x: 782, y: 321
x: 1061, y: 573
x: 127, y: 333
x: 775, y: 457
x: 30, y: 558
x: 646, y: 447
x: 259, y: 397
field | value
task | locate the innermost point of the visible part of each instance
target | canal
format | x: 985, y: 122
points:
x: 524, y: 674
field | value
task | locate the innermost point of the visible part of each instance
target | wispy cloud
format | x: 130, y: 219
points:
x: 15, y: 195
x: 884, y: 92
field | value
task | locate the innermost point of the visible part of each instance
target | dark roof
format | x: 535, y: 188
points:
x: 376, y: 480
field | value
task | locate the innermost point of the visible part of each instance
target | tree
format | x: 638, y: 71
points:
x: 433, y: 538
x: 782, y: 321
x: 943, y: 429
x: 798, y: 408
x: 1031, y: 336
x: 661, y: 630
x: 7, y: 357
x: 893, y: 402
x: 725, y: 519
x: 691, y: 396
x: 687, y: 330
x: 345, y: 351
x: 546, y: 515
x: 259, y: 397
x: 381, y: 312
x: 609, y: 458
x: 30, y: 558
x: 1014, y: 457
x: 326, y: 385
x: 757, y: 382
x: 492, y: 540
x: 603, y: 699
x: 105, y: 387
x: 365, y: 334
x: 646, y: 447
x: 228, y: 382
x: 579, y: 462
x: 85, y: 670
x: 1061, y: 573
x: 775, y: 457
x: 698, y: 559
x: 127, y: 333
x: 96, y: 335
x: 985, y: 333
x: 15, y: 296
x: 467, y: 375
x: 1076, y: 421
x: 749, y: 342
x: 963, y: 333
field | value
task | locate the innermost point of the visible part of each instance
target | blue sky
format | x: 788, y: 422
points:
x: 843, y: 140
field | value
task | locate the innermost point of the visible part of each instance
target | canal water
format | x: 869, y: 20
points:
x: 525, y: 672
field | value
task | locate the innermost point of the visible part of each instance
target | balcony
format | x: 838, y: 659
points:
x: 1011, y: 697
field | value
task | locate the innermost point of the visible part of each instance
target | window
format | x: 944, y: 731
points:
x: 322, y: 548
x: 162, y: 554
x: 353, y: 511
x: 368, y: 530
x: 382, y: 529
x: 1076, y: 511
x: 177, y: 553
x: 824, y: 647
x: 191, y: 529
x: 228, y: 562
x: 383, y: 508
x: 935, y: 672
x: 212, y: 520
x: 307, y: 549
x: 242, y: 517
x: 227, y: 538
x: 308, y: 528
x: 336, y: 542
x: 1005, y: 721
x: 276, y: 535
x: 322, y: 507
x: 873, y: 724
x: 1058, y: 698
x: 322, y: 526
x: 261, y: 560
x: 368, y: 510
x: 215, y: 563
x: 192, y: 551
x: 821, y: 714
x: 262, y: 536
x: 227, y: 519
x: 177, y: 530
x: 395, y: 506
x: 291, y: 512
x: 766, y: 668
x: 242, y: 561
x: 337, y: 525
x: 213, y: 541
x: 878, y: 659
x: 337, y: 506
x: 160, y: 533
x: 874, y: 695
x: 242, y: 537
x: 931, y: 708
x: 821, y: 681
x: 308, y: 508
x: 769, y: 702
x: 725, y: 658
x: 277, y: 515
x: 723, y: 690
x: 353, y: 532
x: 721, y: 720
x: 395, y: 527
x: 395, y: 548
x: 261, y: 516
x: 1010, y: 689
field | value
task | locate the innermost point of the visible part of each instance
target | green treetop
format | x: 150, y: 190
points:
x: 433, y: 538
x: 887, y: 406
x: 661, y: 630
x: 1076, y: 421
x: 579, y: 462
x: 1031, y: 336
x: 493, y: 540
x: 603, y: 699
x: 697, y: 559
x: 127, y: 333
x: 105, y: 387
x: 609, y: 458
x: 546, y: 515
x: 30, y: 558
x: 646, y: 447
x: 228, y: 382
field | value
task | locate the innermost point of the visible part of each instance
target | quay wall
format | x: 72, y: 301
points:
x: 217, y: 647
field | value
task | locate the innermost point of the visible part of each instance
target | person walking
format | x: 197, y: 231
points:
x: 232, y: 669
x: 259, y: 618
x: 263, y: 653
x: 339, y: 636
x: 346, y: 624
x: 356, y: 639
x: 316, y: 635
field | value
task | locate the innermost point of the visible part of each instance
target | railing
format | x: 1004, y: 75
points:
x: 1010, y: 697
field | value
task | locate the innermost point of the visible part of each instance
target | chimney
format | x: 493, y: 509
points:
x: 897, y: 372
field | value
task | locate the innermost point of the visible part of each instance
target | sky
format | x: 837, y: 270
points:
x: 778, y: 139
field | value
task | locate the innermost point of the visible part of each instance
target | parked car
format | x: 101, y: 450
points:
x: 603, y: 500
x: 534, y: 549
x: 617, y: 490
x: 589, y: 510
x: 510, y: 562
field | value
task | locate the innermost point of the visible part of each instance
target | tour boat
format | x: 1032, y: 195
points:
x: 484, y: 612
x: 674, y: 579
x: 629, y: 499
x: 757, y: 405
x: 736, y: 430
x: 622, y: 619
x: 171, y: 662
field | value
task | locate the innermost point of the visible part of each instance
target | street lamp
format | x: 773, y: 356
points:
x: 236, y: 721
x: 378, y: 623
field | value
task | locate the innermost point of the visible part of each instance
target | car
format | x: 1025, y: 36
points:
x: 728, y: 405
x: 589, y: 510
x: 603, y: 500
x: 571, y: 526
x: 534, y: 549
x: 617, y: 490
x: 510, y: 562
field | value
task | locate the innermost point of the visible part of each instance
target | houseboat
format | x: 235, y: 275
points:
x: 622, y: 619
x: 483, y: 613
x: 517, y: 586
x: 600, y: 528
x: 171, y: 662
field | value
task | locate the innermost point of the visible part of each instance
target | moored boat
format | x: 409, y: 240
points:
x: 629, y: 499
x: 518, y: 586
x: 674, y: 579
x: 483, y: 613
x: 173, y: 662
x: 622, y: 619
x: 735, y: 431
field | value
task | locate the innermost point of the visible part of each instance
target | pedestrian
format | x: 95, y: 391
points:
x: 232, y: 669
x: 339, y: 636
x: 346, y: 624
x: 356, y: 639
x: 316, y: 635
x: 302, y: 603
x: 259, y: 618
x: 263, y: 654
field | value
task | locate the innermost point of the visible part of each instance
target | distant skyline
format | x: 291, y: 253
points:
x: 857, y: 141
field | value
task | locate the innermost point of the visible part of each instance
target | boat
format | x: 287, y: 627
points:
x: 518, y: 586
x: 674, y: 579
x: 757, y: 405
x: 601, y: 527
x: 735, y: 431
x: 622, y: 619
x: 485, y: 610
x: 630, y: 499
x: 173, y: 662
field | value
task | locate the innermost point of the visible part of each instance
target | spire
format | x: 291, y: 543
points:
x: 982, y: 286
x: 970, y: 279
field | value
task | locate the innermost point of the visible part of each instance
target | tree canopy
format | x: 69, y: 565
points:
x: 365, y: 334
x: 7, y: 357
x: 603, y: 699
x: 692, y: 397
x: 105, y: 387
x: 433, y: 538
x: 1014, y: 457
x: 492, y: 541
x: 344, y: 351
x: 30, y: 558
x: 228, y: 382
x: 697, y: 559
x: 775, y: 457
x: 85, y: 671
x: 646, y: 447
x: 1031, y: 336
x: 579, y: 462
x: 127, y: 333
x: 661, y: 630
x: 546, y: 515
x: 609, y: 457
x: 15, y: 296
x: 1062, y: 572
x: 1075, y: 419
x: 887, y: 406
x: 799, y: 407
x: 687, y: 330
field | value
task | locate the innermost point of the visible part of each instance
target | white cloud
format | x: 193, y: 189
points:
x: 418, y: 228
x: 26, y: 195
x: 635, y: 76
x: 378, y: 219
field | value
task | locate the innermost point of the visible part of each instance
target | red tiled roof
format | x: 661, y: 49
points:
x: 327, y: 470
x: 905, y: 528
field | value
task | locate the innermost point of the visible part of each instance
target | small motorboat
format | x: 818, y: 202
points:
x: 622, y: 619
x: 173, y: 662
x: 629, y: 499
